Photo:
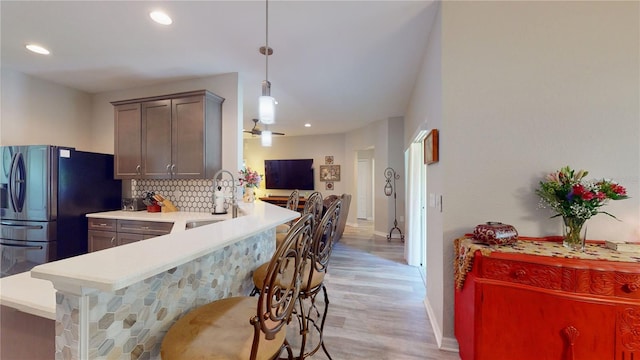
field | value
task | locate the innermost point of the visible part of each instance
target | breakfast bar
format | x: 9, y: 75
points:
x: 117, y: 303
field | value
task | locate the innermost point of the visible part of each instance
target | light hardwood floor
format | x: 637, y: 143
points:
x: 376, y: 308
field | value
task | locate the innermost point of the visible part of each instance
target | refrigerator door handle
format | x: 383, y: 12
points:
x: 17, y: 183
x: 27, y: 227
x: 22, y: 246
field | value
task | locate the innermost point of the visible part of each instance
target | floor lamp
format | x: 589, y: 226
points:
x: 389, y: 189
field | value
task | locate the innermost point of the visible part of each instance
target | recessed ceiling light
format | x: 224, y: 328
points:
x: 161, y: 18
x: 37, y: 49
x: 307, y: 125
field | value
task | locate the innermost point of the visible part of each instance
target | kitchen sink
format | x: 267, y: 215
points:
x: 198, y: 223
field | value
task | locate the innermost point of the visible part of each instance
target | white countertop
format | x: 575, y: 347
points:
x: 178, y: 218
x: 33, y: 296
x: 34, y: 293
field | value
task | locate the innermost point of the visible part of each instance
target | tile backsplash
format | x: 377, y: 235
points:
x: 186, y: 195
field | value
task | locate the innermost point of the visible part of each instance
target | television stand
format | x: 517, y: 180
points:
x: 282, y: 201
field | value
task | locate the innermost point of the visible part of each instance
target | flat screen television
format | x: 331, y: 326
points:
x: 289, y: 174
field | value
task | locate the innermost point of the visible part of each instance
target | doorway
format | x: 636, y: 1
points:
x: 416, y: 249
x: 364, y: 192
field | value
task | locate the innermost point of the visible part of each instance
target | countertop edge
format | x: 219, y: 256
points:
x: 103, y: 270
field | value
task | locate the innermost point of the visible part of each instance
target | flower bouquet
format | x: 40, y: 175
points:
x: 249, y: 179
x: 576, y: 200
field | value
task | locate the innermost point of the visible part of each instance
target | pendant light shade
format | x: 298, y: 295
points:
x: 265, y: 138
x: 266, y: 103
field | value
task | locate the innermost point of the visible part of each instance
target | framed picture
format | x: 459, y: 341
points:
x: 328, y: 160
x: 328, y: 185
x: 431, y: 147
x: 329, y: 172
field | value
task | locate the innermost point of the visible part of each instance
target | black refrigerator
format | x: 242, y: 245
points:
x: 45, y: 193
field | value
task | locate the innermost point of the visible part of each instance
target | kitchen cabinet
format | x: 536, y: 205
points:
x: 108, y: 233
x: 177, y: 136
x: 546, y: 305
x: 128, y: 141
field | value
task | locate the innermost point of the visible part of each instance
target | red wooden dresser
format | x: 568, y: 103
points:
x: 537, y: 300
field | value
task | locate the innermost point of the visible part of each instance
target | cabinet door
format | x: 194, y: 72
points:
x: 524, y: 324
x: 188, y: 137
x: 128, y: 146
x: 127, y: 238
x: 628, y: 332
x: 99, y: 240
x: 156, y: 139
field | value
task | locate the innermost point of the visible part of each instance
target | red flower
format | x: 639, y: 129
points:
x: 618, y: 189
x: 587, y: 196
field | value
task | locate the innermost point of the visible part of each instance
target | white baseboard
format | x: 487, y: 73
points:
x: 444, y: 343
x: 380, y: 233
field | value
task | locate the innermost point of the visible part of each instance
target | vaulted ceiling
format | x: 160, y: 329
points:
x: 337, y: 65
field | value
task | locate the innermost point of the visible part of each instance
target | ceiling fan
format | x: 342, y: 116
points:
x: 256, y: 131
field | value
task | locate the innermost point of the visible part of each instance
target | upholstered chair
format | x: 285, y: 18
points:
x: 246, y: 327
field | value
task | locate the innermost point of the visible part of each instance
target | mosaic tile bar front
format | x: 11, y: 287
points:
x: 131, y: 323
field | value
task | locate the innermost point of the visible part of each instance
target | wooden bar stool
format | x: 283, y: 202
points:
x: 247, y: 327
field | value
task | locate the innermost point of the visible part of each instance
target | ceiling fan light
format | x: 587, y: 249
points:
x: 266, y: 138
x: 267, y: 109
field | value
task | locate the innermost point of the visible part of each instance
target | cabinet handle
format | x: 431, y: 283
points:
x: 113, y: 239
x: 519, y: 274
x: 571, y: 333
x: 138, y: 168
x: 631, y: 287
x: 173, y: 169
x: 169, y: 169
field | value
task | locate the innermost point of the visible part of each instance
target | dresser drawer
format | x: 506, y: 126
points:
x: 102, y: 224
x: 538, y: 275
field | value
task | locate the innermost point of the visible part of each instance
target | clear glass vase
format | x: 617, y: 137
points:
x: 249, y: 194
x: 575, y: 233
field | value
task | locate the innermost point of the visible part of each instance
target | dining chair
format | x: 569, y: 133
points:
x: 246, y: 327
x: 308, y: 315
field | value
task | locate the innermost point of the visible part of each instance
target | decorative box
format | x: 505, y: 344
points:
x: 495, y: 233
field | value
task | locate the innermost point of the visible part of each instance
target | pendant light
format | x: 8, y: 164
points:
x: 266, y: 103
x: 266, y: 138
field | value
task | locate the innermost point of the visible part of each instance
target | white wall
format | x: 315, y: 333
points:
x: 425, y: 113
x: 35, y: 111
x: 527, y: 87
x: 225, y: 85
x: 299, y: 147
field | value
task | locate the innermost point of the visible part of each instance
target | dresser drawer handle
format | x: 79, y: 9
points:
x: 631, y: 287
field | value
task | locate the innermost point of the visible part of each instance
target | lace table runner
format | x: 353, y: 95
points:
x: 465, y: 248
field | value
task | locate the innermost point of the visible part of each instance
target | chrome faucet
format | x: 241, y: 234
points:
x: 234, y: 201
